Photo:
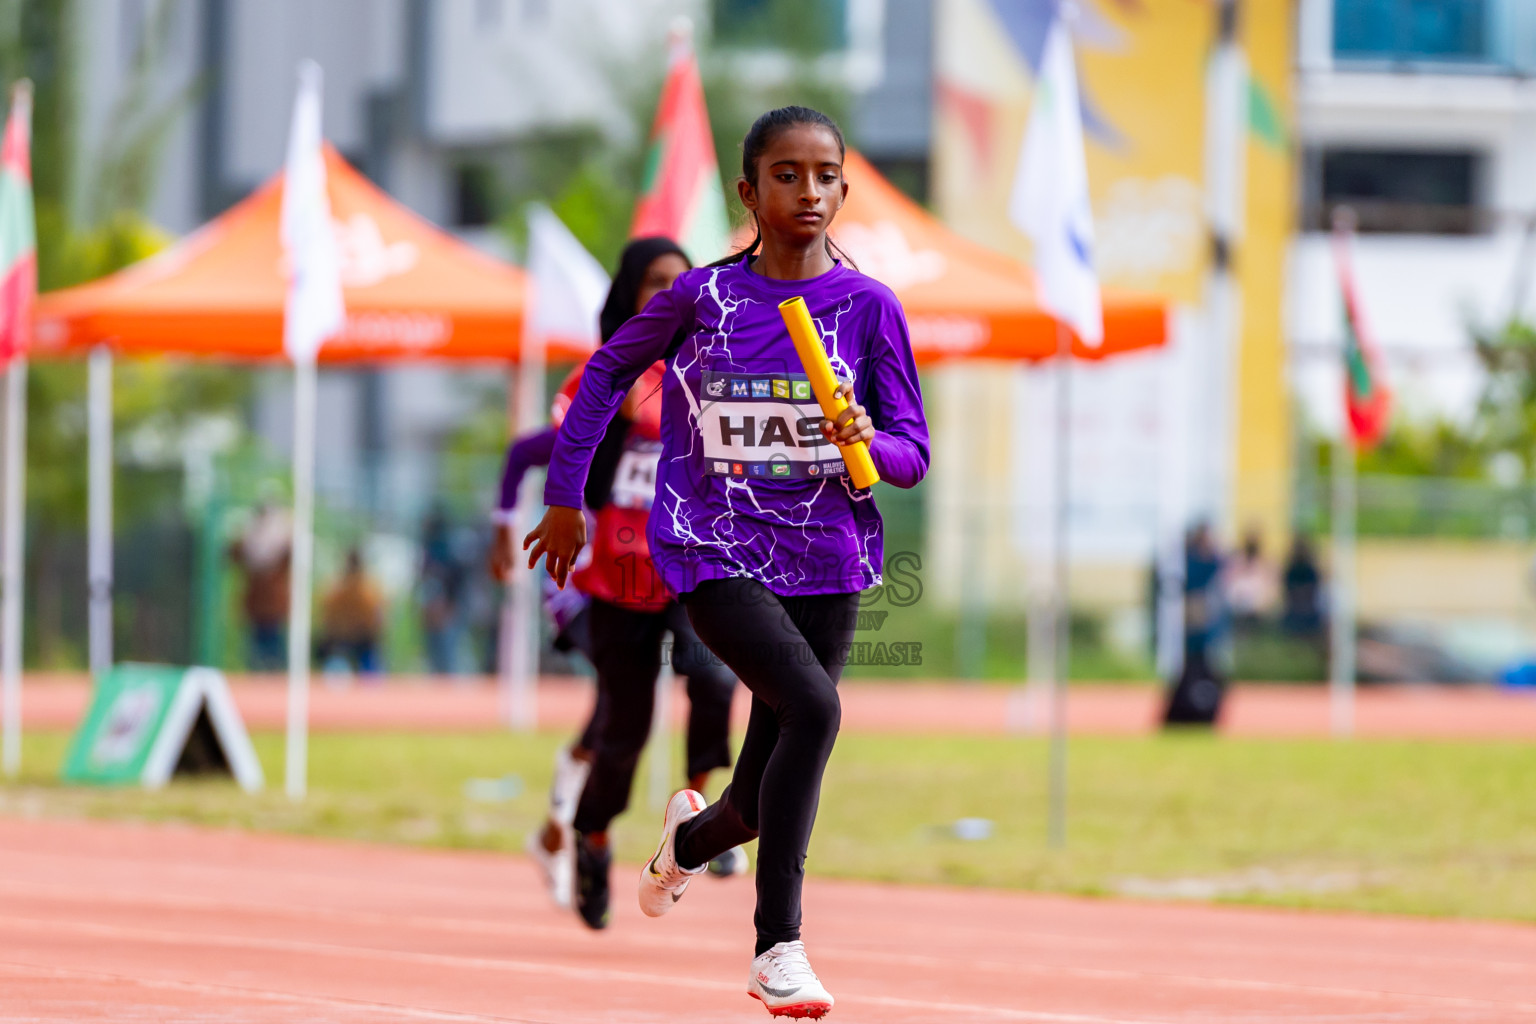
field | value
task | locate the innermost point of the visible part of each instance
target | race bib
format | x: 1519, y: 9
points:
x: 634, y: 482
x: 766, y: 426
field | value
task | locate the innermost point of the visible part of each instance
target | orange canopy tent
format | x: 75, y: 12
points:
x: 963, y: 300
x: 412, y: 291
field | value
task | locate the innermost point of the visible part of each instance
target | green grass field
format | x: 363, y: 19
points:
x: 1425, y: 828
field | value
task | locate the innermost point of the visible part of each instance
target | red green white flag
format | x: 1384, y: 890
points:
x: 18, y: 232
x: 680, y: 195
x: 1367, y: 399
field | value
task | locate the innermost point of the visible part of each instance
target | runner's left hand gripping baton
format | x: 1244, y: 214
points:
x: 813, y: 356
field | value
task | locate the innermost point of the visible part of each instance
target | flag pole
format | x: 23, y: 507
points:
x: 521, y: 664
x: 313, y: 311
x: 304, y: 387
x: 1341, y: 618
x: 10, y: 597
x: 1051, y: 202
x: 660, y: 741
x: 1355, y: 432
x: 17, y: 326
x: 1061, y: 654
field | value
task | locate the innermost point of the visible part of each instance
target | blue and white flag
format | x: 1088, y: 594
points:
x: 314, y: 309
x: 1050, y: 200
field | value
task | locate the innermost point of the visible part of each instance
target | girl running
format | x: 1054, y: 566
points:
x: 619, y: 622
x: 756, y: 526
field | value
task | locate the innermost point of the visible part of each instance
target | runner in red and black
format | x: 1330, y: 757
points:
x: 630, y: 610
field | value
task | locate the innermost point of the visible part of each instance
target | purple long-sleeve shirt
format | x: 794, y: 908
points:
x: 522, y: 455
x: 747, y: 485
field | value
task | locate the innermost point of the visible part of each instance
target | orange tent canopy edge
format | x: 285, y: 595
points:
x: 412, y: 291
x: 963, y: 300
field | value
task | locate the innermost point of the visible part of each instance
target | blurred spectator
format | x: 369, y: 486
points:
x: 442, y: 591
x: 1253, y: 586
x: 1205, y: 613
x: 1303, y: 582
x: 263, y: 553
x: 480, y: 600
x: 1195, y: 696
x: 352, y: 619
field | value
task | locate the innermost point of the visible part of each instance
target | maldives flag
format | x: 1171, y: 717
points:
x: 18, y: 233
x: 680, y: 195
x: 1366, y: 397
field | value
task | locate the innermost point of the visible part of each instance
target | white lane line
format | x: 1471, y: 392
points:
x: 1263, y: 945
x: 826, y: 951
x: 14, y: 968
x: 541, y: 969
x: 501, y: 895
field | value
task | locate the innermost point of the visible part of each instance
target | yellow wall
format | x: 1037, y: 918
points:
x: 1263, y: 453
x: 1147, y: 189
x: 1445, y: 580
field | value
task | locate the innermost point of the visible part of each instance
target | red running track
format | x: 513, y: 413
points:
x: 112, y: 922
x: 1419, y: 712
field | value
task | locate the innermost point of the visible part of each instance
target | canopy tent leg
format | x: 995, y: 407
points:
x: 1061, y: 654
x: 14, y: 562
x: 99, y: 484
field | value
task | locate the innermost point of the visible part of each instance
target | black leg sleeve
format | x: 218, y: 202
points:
x: 789, y: 652
x: 626, y: 648
x: 710, y: 688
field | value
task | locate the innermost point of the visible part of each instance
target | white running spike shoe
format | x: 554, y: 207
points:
x: 662, y: 881
x: 558, y: 867
x: 783, y: 980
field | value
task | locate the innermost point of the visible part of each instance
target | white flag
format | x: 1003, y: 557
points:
x: 1050, y: 194
x: 568, y: 284
x: 314, y: 310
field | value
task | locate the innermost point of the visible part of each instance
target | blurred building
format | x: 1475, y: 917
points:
x: 1200, y: 430
x: 1421, y: 116
x: 440, y: 102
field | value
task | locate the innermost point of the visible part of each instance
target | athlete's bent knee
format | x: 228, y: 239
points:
x: 819, y: 711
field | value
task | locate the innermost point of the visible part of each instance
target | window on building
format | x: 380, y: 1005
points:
x: 1413, y: 30
x: 1396, y: 191
x: 474, y: 196
x: 801, y: 26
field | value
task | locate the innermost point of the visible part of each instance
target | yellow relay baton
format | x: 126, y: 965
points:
x: 813, y: 356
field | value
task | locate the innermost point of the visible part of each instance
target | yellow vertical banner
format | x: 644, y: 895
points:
x: 1143, y: 71
x: 1264, y: 452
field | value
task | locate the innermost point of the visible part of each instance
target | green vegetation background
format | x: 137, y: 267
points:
x: 1440, y: 828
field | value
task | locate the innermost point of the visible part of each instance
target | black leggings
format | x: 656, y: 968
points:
x: 626, y: 651
x: 790, y: 652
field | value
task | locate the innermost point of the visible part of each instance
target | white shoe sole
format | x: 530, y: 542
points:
x: 814, y: 1009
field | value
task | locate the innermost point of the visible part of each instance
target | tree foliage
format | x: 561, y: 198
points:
x: 590, y: 176
x: 89, y: 202
x: 1506, y: 412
